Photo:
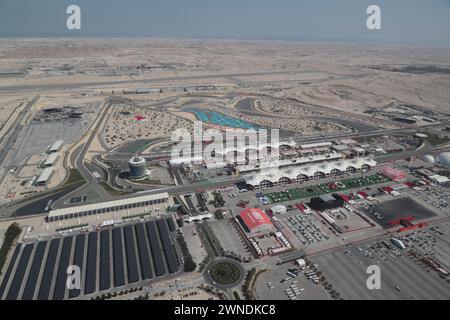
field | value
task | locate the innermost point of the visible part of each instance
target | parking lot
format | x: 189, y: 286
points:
x: 196, y: 249
x: 437, y: 196
x: 229, y: 237
x: 37, y: 137
x: 431, y: 243
x: 306, y: 228
x: 395, y: 209
x: 401, y: 277
x: 276, y: 284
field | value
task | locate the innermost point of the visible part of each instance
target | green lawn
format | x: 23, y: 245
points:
x: 224, y: 272
x: 317, y: 190
x: 74, y: 176
x: 435, y: 140
x: 11, y: 234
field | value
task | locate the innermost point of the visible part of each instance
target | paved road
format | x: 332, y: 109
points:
x: 122, y: 156
x: 174, y: 190
x: 79, y: 155
x: 11, y: 137
x: 347, y: 272
x: 214, y: 183
x: 79, y: 160
x: 61, y: 86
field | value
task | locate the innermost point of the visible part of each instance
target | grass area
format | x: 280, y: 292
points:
x: 182, y: 210
x: 142, y: 147
x: 113, y: 191
x: 74, y: 177
x: 77, y: 226
x: 218, y: 214
x: 11, y: 234
x: 248, y: 284
x: 137, y: 147
x: 225, y: 272
x: 435, y: 140
x: 317, y: 190
x: 445, y: 173
x: 139, y: 215
x: 208, y: 237
x: 147, y: 181
x: 318, y: 129
x: 189, y: 264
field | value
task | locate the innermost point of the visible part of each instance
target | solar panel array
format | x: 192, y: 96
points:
x: 107, y: 259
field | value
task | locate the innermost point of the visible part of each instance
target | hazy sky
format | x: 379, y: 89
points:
x: 417, y: 22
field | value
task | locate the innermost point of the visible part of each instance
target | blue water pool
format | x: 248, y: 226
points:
x: 220, y: 119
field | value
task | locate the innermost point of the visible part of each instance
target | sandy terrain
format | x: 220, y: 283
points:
x: 339, y: 76
x: 123, y: 126
x: 370, y: 84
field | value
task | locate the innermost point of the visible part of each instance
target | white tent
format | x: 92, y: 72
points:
x: 279, y: 209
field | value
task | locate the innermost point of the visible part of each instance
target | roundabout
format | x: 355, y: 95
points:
x: 224, y: 273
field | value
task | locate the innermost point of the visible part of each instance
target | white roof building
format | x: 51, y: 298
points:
x: 316, y: 145
x: 439, y: 179
x: 50, y: 160
x: 186, y: 160
x: 253, y: 151
x: 45, y: 176
x: 56, y: 146
x: 102, y: 207
x: 308, y: 169
x: 275, y: 162
x: 301, y: 262
x: 429, y: 158
x: 444, y: 159
x: 279, y: 209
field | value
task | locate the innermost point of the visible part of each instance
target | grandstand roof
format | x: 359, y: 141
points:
x: 45, y: 175
x: 108, y: 204
x: 307, y: 169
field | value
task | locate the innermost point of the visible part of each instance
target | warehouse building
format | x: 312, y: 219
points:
x: 50, y: 160
x: 45, y: 176
x: 55, y: 147
x: 441, y: 180
x: 444, y: 159
x: 326, y: 201
x: 109, y: 206
x: 255, y: 221
x: 407, y: 120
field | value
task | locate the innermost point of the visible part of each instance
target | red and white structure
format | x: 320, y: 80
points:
x: 394, y: 174
x: 256, y: 220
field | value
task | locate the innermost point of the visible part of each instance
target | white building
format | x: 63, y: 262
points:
x: 45, y: 175
x: 109, y: 206
x: 439, y: 179
x: 304, y: 170
x: 55, y: 147
x: 231, y: 155
x: 50, y: 160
